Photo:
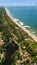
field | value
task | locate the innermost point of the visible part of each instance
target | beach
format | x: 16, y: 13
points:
x: 21, y: 26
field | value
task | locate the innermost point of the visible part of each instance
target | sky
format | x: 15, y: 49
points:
x: 18, y: 2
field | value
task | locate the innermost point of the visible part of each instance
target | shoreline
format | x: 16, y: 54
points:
x: 34, y: 37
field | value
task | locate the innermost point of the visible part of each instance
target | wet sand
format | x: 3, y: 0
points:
x: 24, y: 29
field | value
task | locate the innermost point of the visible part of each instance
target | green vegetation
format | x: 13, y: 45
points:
x: 18, y: 48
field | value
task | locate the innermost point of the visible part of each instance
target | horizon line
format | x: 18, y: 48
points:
x: 14, y: 5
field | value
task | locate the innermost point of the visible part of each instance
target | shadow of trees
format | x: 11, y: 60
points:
x: 11, y: 49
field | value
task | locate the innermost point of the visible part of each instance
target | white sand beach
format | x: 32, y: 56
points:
x: 24, y: 29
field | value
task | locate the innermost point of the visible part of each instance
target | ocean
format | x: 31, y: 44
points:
x: 27, y: 15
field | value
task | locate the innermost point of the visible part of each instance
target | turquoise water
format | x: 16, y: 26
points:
x: 26, y: 14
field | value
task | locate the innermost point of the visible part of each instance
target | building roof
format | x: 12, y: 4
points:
x: 1, y: 42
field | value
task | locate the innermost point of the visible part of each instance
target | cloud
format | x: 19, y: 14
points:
x: 18, y: 3
x: 30, y: 3
x: 26, y: 3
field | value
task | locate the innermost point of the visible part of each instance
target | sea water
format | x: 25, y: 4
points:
x: 27, y: 15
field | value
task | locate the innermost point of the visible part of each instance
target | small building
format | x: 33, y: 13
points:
x: 32, y: 63
x: 1, y: 42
